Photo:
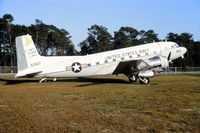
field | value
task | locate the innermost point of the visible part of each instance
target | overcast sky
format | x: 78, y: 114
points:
x: 76, y: 16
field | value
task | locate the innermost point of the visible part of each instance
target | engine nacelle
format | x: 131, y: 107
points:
x: 146, y: 74
x: 154, y: 62
x: 158, y: 61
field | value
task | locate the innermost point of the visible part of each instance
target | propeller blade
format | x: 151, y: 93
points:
x: 169, y: 56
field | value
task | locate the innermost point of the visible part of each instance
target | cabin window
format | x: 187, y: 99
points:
x: 89, y: 64
x: 146, y: 53
x: 106, y: 61
x: 97, y: 63
x: 130, y: 56
x: 114, y: 59
x: 138, y: 55
x: 122, y: 58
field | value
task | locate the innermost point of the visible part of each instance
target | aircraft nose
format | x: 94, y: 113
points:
x: 184, y: 50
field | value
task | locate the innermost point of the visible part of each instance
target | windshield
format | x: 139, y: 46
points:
x: 174, y: 45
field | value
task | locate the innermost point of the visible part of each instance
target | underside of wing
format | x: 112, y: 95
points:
x: 126, y: 67
x: 143, y: 67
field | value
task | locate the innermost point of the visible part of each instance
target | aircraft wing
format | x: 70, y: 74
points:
x: 126, y: 67
x: 141, y: 65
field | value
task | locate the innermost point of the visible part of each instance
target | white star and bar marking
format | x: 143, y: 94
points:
x: 76, y: 67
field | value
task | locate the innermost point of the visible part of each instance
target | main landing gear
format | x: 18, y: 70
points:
x: 142, y: 80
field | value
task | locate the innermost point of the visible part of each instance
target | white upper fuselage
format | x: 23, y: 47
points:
x: 103, y: 63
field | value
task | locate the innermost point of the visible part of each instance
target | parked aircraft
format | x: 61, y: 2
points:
x: 138, y: 63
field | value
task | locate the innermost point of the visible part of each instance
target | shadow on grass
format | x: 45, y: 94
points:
x: 16, y: 81
x: 99, y: 81
x: 86, y: 80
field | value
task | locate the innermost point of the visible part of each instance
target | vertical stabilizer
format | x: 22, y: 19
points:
x: 27, y: 54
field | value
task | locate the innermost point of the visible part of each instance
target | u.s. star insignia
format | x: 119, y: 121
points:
x: 76, y: 67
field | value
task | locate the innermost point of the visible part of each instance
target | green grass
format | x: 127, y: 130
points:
x: 100, y: 104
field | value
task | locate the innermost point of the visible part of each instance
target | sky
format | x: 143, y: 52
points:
x: 76, y: 16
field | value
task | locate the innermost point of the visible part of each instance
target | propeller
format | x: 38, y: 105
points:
x: 169, y: 56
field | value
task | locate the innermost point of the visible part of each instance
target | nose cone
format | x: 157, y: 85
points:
x: 183, y: 50
x: 178, y: 52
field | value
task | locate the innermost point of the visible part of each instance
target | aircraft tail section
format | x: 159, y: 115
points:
x: 28, y: 58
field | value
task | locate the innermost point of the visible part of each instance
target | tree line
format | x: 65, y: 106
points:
x: 51, y: 40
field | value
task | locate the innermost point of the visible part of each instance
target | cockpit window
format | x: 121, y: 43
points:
x: 174, y: 45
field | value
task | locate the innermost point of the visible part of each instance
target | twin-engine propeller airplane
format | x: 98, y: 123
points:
x: 138, y: 63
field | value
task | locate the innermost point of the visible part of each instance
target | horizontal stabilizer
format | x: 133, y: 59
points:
x: 29, y: 75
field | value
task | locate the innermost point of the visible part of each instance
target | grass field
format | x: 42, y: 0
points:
x: 101, y: 104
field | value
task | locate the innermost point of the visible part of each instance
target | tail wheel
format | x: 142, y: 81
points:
x: 132, y: 79
x: 145, y: 81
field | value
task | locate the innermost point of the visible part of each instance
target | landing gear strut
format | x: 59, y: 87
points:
x: 132, y: 78
x: 144, y: 81
x: 43, y: 79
